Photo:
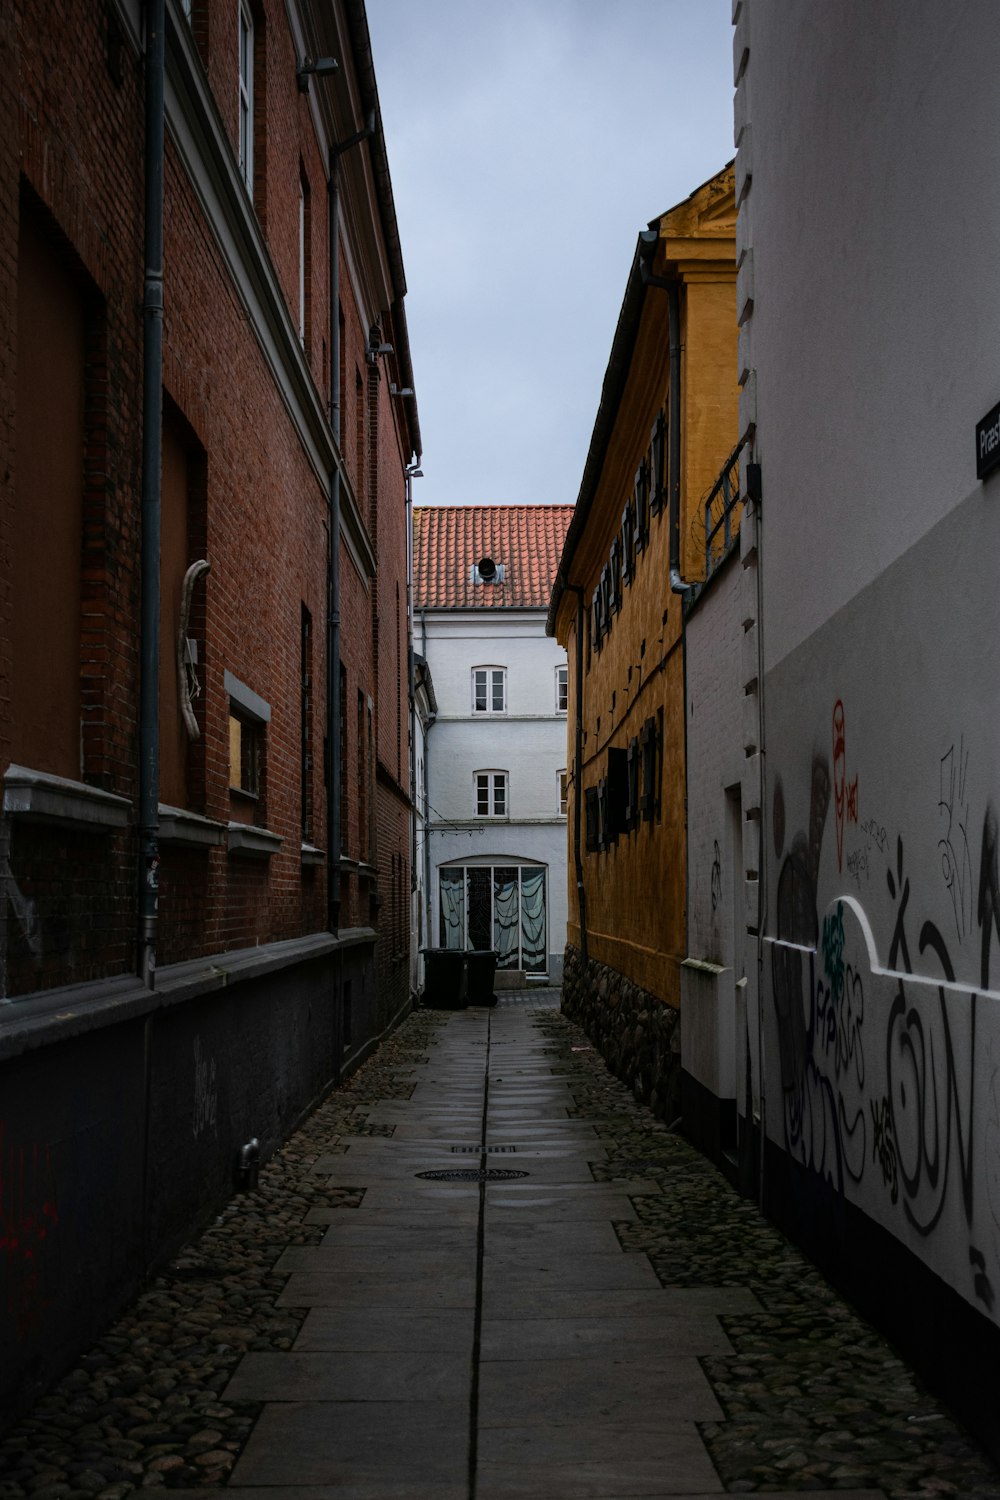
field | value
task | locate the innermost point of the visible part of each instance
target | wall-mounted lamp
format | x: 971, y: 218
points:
x: 376, y: 344
x: 320, y: 67
x: 414, y: 471
x: 396, y: 390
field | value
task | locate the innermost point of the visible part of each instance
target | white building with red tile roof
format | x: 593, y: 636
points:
x: 495, y: 755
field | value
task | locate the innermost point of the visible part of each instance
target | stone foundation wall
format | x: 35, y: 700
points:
x: 637, y: 1034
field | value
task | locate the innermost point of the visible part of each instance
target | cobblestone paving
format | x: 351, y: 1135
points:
x: 814, y: 1398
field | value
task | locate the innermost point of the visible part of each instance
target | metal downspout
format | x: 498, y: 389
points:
x: 677, y: 584
x: 427, y: 795
x: 412, y: 675
x: 334, y: 769
x: 581, y: 890
x: 152, y: 437
x: 333, y: 730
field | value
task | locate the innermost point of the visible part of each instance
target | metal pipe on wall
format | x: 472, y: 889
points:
x: 333, y: 766
x: 333, y: 726
x: 152, y: 439
x: 677, y: 584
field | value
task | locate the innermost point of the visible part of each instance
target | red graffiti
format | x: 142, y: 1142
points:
x: 845, y: 793
x: 28, y: 1216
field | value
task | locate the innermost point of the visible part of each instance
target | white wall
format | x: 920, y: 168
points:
x: 873, y: 226
x: 528, y: 741
x: 718, y: 1028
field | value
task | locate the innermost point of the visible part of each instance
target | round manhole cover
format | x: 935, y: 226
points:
x: 471, y: 1174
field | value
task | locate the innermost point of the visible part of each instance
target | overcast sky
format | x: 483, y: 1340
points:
x: 529, y: 142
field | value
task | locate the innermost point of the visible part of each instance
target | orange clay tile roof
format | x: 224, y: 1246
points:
x: 449, y: 539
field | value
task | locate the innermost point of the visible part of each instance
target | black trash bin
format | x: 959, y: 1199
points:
x: 482, y: 968
x: 445, y: 980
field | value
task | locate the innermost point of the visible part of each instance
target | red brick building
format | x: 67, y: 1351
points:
x: 206, y: 415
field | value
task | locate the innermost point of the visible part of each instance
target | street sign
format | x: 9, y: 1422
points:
x: 988, y: 442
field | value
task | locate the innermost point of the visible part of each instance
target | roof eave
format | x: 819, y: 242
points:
x: 612, y: 390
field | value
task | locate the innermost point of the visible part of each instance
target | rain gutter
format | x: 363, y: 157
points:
x: 152, y: 439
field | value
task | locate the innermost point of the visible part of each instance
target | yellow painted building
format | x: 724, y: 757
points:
x: 665, y: 426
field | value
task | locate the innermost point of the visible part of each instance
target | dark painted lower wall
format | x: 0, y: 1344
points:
x: 954, y: 1348
x: 121, y: 1117
x: 636, y: 1033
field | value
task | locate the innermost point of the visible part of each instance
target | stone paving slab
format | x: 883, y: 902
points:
x: 392, y: 1233
x: 451, y: 1198
x: 513, y: 1274
x: 338, y: 1443
x: 552, y: 1207
x: 380, y: 1226
x: 507, y: 1232
x: 381, y: 1330
x: 562, y: 1338
x: 327, y: 1289
x: 627, y: 1394
x: 380, y: 1488
x: 378, y: 1261
x: 348, y: 1376
x: 580, y: 1459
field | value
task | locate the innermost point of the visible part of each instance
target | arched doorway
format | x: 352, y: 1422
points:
x: 501, y: 905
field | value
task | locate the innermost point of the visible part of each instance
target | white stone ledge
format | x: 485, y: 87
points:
x: 178, y: 826
x: 248, y: 841
x: 55, y: 799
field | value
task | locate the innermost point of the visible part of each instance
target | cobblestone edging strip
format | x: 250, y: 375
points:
x: 638, y: 1035
x: 142, y: 1409
x: 815, y: 1398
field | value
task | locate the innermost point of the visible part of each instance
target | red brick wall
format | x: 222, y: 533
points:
x: 261, y: 515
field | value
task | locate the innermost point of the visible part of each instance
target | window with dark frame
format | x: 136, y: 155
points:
x: 592, y: 819
x: 249, y: 716
x: 658, y: 461
x: 617, y: 794
x: 246, y: 99
x: 632, y: 802
x: 246, y: 753
x: 628, y: 544
x: 306, y: 726
x: 603, y: 827
x: 615, y: 571
x: 641, y: 506
x: 650, y: 754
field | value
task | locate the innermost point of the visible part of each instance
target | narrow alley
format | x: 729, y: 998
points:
x: 480, y: 1269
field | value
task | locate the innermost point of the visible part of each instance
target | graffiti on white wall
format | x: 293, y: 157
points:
x: 890, y: 1091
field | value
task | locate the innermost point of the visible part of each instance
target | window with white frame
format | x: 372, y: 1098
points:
x: 563, y: 795
x: 246, y: 96
x: 489, y: 690
x: 491, y: 794
x: 562, y: 689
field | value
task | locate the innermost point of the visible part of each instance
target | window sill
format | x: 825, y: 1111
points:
x: 250, y: 842
x: 54, y: 799
x: 313, y: 856
x: 178, y: 826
